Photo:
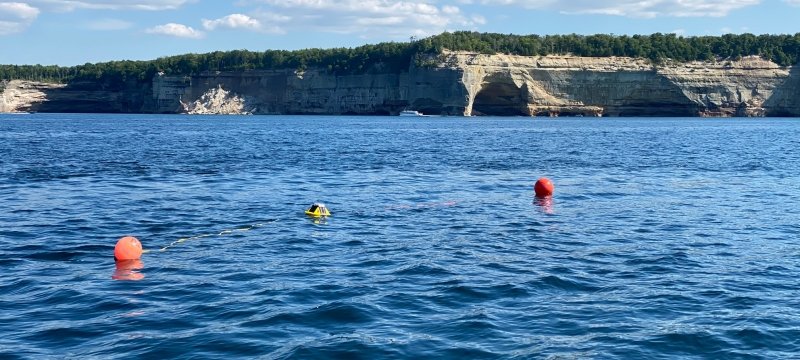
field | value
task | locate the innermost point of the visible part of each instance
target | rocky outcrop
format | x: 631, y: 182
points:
x: 221, y: 102
x: 25, y: 96
x: 452, y: 83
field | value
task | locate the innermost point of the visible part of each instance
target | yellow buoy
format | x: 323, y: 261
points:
x: 318, y: 210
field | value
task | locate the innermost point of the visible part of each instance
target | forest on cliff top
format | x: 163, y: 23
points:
x: 398, y: 56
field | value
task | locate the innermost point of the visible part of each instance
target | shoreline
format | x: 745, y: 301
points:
x: 458, y: 84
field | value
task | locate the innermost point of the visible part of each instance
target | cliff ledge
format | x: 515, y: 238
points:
x: 453, y: 83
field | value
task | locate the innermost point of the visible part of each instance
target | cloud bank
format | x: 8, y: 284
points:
x: 70, y: 5
x: 367, y: 18
x: 397, y: 19
x: 636, y: 8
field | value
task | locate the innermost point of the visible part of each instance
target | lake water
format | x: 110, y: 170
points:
x: 666, y: 238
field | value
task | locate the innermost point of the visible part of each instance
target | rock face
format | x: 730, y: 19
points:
x: 553, y: 85
x: 31, y: 96
x: 455, y: 83
x: 21, y: 96
x: 785, y: 100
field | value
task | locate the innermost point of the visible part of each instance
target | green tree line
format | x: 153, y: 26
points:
x: 388, y: 56
x: 397, y: 56
x: 782, y: 49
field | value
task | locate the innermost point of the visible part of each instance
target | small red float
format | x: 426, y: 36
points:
x: 543, y: 187
x: 128, y: 248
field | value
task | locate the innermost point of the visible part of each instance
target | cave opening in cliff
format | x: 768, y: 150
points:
x: 500, y: 99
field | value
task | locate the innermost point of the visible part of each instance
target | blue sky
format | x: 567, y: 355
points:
x: 70, y: 32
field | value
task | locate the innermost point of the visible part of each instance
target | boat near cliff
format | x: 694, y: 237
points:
x: 412, y: 113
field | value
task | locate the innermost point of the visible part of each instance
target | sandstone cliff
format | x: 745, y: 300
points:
x: 454, y: 83
x: 21, y: 96
x: 552, y: 85
x: 31, y: 96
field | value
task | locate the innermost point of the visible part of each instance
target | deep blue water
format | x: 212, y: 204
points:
x: 666, y: 238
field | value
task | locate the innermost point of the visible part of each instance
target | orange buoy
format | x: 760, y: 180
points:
x: 128, y: 248
x: 543, y: 187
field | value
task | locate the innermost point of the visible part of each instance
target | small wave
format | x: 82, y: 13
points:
x: 372, y: 263
x: 46, y: 174
x: 423, y: 270
x: 754, y: 166
x: 17, y: 234
x: 668, y: 262
x: 54, y: 255
x: 409, y: 302
x: 10, y: 262
x: 342, y: 313
x: 774, y: 343
x: 240, y: 277
x: 688, y: 344
x: 741, y: 302
x: 329, y: 315
x: 554, y: 282
x: 63, y: 336
x: 18, y: 286
x: 463, y: 293
x: 337, y: 347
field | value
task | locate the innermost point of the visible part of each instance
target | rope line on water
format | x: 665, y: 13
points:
x: 316, y: 221
x: 221, y: 233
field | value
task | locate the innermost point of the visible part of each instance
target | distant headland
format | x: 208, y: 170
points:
x: 460, y: 74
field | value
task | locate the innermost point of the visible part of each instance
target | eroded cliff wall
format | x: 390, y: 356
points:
x: 552, y: 85
x: 32, y: 96
x: 454, y: 83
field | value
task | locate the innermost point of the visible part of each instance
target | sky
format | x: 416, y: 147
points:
x: 72, y: 32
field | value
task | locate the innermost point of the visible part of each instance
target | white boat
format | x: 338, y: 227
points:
x: 411, y: 113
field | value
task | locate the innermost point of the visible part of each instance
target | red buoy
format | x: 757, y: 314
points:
x: 128, y: 248
x: 543, y: 187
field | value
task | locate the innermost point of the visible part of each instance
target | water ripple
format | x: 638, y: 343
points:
x: 657, y: 244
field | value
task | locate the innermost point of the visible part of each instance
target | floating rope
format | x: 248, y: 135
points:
x: 221, y: 233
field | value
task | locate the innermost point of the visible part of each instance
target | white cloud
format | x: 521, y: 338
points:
x: 450, y: 10
x: 16, y: 17
x: 240, y: 21
x: 271, y: 17
x: 18, y: 10
x: 177, y: 30
x: 233, y: 21
x: 109, y: 25
x: 10, y: 27
x: 69, y: 5
x: 793, y: 2
x: 636, y: 8
x: 372, y: 18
